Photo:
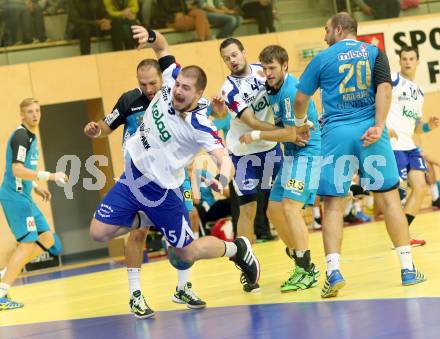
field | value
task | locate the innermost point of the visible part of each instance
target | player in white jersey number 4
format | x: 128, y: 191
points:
x: 405, y: 119
x: 173, y: 129
x: 256, y: 164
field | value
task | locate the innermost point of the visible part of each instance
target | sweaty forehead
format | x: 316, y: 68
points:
x: 186, y: 80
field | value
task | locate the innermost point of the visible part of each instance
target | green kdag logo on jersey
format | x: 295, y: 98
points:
x: 260, y: 105
x: 409, y: 113
x: 157, y: 117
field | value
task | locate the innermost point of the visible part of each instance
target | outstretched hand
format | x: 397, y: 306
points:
x: 218, y: 106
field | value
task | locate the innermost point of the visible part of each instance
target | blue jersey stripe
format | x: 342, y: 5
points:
x: 197, y: 125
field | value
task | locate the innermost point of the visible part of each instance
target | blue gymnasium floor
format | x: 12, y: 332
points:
x: 396, y: 318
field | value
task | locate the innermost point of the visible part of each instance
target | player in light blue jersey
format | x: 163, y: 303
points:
x: 128, y: 112
x: 294, y: 186
x: 27, y: 223
x: 355, y: 83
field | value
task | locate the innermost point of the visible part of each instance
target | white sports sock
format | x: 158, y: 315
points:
x: 230, y: 249
x: 134, y: 281
x: 196, y: 235
x: 332, y: 260
x: 434, y: 192
x: 4, y: 288
x: 182, y: 278
x: 300, y: 253
x: 348, y: 207
x: 405, y: 257
x: 316, y: 212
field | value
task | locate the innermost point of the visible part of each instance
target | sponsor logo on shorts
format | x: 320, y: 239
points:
x: 187, y: 194
x: 295, y: 185
x: 30, y: 224
x: 105, y: 211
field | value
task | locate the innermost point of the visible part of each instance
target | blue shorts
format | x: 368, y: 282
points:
x: 187, y: 194
x: 294, y: 180
x: 164, y: 207
x: 409, y: 160
x: 25, y: 219
x: 344, y: 155
x: 255, y: 172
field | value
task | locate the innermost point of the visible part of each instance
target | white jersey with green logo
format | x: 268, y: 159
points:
x: 166, y: 142
x: 405, y: 111
x: 240, y: 93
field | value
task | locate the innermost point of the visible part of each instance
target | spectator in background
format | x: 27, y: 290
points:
x: 17, y: 20
x: 38, y: 30
x: 123, y: 15
x: 185, y: 16
x: 379, y: 9
x: 146, y: 7
x: 227, y: 20
x: 263, y: 11
x: 86, y: 18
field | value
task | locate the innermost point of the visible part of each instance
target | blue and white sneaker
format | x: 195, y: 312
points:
x: 363, y: 217
x: 8, y: 304
x: 412, y: 277
x: 334, y: 282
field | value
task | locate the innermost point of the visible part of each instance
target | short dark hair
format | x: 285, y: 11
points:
x: 230, y: 41
x: 274, y: 52
x: 197, y: 73
x: 150, y: 63
x: 409, y: 49
x: 346, y: 21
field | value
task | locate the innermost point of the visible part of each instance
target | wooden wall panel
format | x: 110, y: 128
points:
x: 65, y: 80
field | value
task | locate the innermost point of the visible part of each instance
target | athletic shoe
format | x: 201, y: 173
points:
x: 249, y: 288
x: 363, y: 217
x: 417, y: 242
x: 436, y: 203
x: 316, y: 225
x: 299, y: 280
x: 333, y: 283
x: 352, y: 219
x: 291, y: 254
x: 247, y: 262
x: 187, y: 296
x: 8, y: 304
x: 412, y: 277
x: 139, y: 307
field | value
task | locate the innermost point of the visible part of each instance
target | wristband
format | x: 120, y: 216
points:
x: 151, y: 36
x: 34, y: 184
x: 300, y: 121
x: 255, y: 135
x: 426, y: 128
x: 224, y: 181
x: 43, y: 175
